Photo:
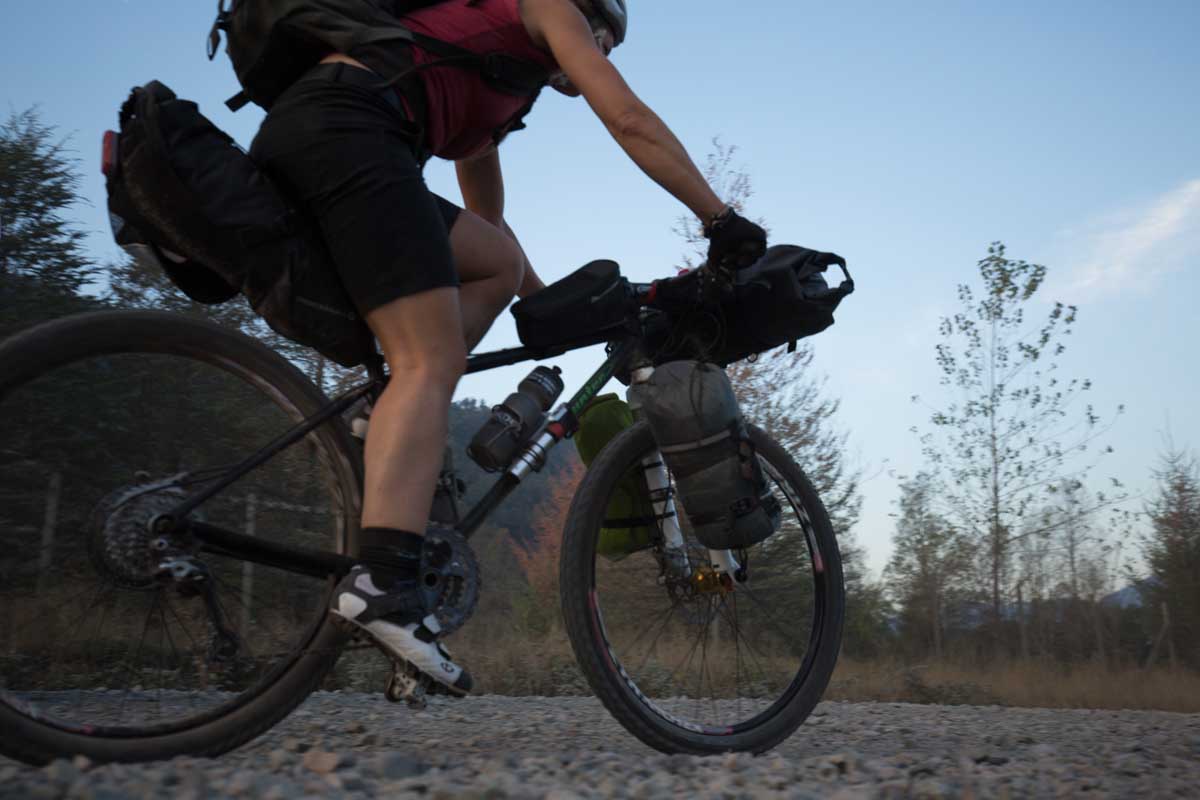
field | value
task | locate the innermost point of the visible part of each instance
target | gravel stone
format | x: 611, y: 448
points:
x: 356, y: 745
x: 321, y: 761
x: 397, y: 766
x: 61, y: 771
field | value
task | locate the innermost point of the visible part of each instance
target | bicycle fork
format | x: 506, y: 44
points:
x: 658, y: 481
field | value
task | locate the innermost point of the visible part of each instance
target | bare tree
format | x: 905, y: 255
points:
x: 1013, y: 430
x: 732, y: 183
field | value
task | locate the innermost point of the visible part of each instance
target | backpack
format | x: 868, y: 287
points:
x: 183, y: 195
x: 271, y: 43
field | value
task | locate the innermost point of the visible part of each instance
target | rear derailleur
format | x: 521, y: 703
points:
x: 192, y: 578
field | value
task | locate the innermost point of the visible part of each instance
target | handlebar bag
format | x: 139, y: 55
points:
x: 782, y: 298
x: 591, y: 300
x: 693, y: 413
x: 185, y: 198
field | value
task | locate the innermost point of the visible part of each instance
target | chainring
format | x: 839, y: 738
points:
x: 450, y: 577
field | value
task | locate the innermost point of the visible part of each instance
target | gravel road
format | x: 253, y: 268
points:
x: 355, y: 745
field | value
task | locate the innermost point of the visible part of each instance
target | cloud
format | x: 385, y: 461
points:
x: 1136, y: 247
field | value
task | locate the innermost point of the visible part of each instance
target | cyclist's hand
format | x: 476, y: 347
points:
x: 734, y: 242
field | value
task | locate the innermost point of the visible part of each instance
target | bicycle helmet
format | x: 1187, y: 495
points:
x: 612, y: 13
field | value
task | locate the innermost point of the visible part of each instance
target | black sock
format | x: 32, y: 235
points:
x: 396, y: 553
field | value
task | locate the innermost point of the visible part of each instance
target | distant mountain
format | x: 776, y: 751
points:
x: 1132, y: 596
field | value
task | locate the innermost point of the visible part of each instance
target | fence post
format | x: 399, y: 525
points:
x: 1167, y: 633
x: 49, y: 526
x: 247, y: 567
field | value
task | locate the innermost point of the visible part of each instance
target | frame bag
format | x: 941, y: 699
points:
x: 185, y: 198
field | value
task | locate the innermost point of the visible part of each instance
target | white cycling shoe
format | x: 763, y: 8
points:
x: 397, y: 622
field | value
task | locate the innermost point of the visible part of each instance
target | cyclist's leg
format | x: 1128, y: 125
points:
x: 490, y: 266
x: 426, y: 355
x: 341, y: 151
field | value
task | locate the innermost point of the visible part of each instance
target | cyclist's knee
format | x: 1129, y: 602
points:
x: 512, y: 271
x: 435, y: 370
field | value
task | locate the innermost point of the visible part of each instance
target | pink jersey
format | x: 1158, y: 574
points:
x: 463, y: 111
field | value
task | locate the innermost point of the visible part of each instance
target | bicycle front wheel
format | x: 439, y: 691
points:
x: 688, y: 660
x: 107, y: 420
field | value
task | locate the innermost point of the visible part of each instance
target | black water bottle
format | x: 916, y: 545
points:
x: 515, y: 420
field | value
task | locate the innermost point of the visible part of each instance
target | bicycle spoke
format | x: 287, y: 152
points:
x: 657, y: 636
x: 137, y: 656
x: 39, y: 619
x: 750, y: 649
x: 764, y: 608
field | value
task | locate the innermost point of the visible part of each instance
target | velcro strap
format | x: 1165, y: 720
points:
x: 705, y: 442
x: 738, y: 508
x: 406, y: 606
x: 238, y: 102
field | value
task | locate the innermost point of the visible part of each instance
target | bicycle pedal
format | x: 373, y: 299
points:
x: 407, y: 684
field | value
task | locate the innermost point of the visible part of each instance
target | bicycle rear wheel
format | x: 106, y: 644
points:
x: 688, y: 661
x: 106, y: 420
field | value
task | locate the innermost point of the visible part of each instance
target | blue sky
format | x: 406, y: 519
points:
x: 904, y: 136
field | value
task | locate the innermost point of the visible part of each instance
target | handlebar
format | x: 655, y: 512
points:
x: 689, y: 288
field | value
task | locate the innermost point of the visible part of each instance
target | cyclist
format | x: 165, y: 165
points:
x: 430, y: 277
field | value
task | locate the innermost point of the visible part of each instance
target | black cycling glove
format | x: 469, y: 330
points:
x: 734, y: 242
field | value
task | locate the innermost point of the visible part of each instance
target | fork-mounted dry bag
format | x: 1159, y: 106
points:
x: 693, y: 412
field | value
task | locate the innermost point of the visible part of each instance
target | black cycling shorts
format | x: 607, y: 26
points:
x: 344, y: 151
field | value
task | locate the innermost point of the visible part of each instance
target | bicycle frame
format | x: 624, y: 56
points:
x: 562, y: 423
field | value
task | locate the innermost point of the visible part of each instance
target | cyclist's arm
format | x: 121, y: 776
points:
x: 482, y: 184
x: 560, y: 26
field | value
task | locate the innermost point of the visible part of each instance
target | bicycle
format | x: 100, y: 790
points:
x: 177, y: 601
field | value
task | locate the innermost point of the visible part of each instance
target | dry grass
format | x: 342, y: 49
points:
x: 511, y: 666
x: 1023, y: 684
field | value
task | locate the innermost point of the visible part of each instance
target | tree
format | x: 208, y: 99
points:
x: 1016, y: 431
x: 42, y: 263
x: 930, y: 567
x: 1172, y: 551
x: 780, y: 392
x: 732, y: 183
x: 134, y: 284
x: 539, y: 558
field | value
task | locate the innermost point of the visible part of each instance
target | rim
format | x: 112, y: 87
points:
x: 739, y: 679
x: 95, y: 637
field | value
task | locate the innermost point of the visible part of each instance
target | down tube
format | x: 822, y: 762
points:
x: 563, y: 424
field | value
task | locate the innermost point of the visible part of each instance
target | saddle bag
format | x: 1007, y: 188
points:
x: 590, y: 302
x: 782, y: 298
x: 184, y: 198
x: 693, y: 413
